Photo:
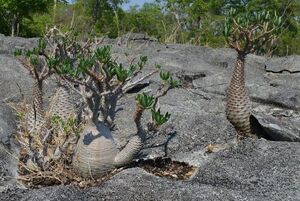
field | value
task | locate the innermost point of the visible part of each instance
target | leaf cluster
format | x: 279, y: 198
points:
x: 249, y: 32
x: 67, y: 127
x: 146, y: 101
x: 102, y: 79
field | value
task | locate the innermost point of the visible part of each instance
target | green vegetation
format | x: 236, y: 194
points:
x: 15, y: 12
x: 198, y: 22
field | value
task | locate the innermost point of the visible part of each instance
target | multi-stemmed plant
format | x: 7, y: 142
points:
x: 247, y: 33
x: 90, y: 70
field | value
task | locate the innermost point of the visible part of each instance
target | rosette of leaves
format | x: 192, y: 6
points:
x: 159, y: 118
x: 250, y: 31
x: 145, y: 101
x: 168, y: 79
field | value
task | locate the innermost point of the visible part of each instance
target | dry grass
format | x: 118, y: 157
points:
x: 59, y: 171
x: 56, y: 168
x: 165, y: 167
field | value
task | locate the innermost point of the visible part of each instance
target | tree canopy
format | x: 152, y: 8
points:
x: 14, y: 11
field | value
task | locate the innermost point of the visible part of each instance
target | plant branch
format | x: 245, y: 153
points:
x: 128, y: 86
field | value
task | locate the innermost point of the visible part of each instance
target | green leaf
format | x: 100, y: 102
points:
x: 41, y: 44
x: 52, y: 62
x: 28, y: 53
x: 174, y: 83
x: 18, y: 52
x: 144, y: 59
x: 158, y: 66
x: 121, y: 73
x: 110, y: 69
x: 34, y: 60
x: 35, y: 51
x: 85, y: 64
x: 165, y: 75
x: 145, y: 101
x: 142, y: 62
x: 159, y: 118
x: 103, y: 54
x: 131, y: 69
x: 65, y: 68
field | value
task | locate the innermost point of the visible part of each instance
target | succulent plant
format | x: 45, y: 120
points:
x: 102, y: 82
x: 247, y: 32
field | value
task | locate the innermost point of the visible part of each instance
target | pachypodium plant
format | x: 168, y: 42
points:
x: 247, y: 32
x: 90, y: 70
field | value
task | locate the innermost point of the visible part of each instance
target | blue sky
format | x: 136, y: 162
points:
x: 131, y: 3
x: 135, y: 2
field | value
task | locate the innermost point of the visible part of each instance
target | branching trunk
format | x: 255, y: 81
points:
x: 129, y: 152
x: 135, y: 144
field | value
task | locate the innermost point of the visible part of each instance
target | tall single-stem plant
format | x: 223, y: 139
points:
x: 247, y: 33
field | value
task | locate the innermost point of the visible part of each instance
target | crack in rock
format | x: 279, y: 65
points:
x: 281, y: 71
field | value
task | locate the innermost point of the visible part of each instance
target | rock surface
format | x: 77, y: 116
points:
x: 16, y: 82
x: 289, y: 64
x: 251, y: 170
x: 254, y: 170
x: 9, y: 44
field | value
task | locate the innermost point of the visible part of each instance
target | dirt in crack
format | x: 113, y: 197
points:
x: 165, y: 167
x: 187, y: 78
x: 162, y: 167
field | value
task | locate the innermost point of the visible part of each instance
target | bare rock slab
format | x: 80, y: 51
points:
x: 252, y: 171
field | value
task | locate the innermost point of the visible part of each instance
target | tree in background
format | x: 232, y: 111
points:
x: 187, y: 15
x: 55, y: 2
x: 197, y: 22
x: 14, y: 11
x: 102, y: 15
x: 148, y: 19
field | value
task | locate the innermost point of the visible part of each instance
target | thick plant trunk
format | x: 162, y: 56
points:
x: 238, y: 108
x: 129, y: 152
x: 35, y: 117
x: 61, y: 104
x: 95, y: 151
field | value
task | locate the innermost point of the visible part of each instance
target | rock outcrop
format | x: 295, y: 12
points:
x: 264, y: 169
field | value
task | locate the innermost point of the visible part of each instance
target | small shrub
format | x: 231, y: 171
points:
x: 51, y: 153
